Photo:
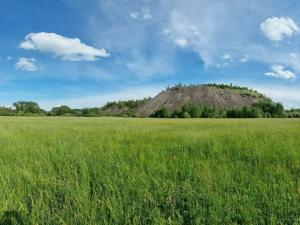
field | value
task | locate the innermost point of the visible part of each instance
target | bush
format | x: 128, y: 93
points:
x: 61, y: 110
x: 162, y: 113
x: 186, y: 115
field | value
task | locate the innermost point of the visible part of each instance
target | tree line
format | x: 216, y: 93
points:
x: 29, y: 108
x: 262, y: 109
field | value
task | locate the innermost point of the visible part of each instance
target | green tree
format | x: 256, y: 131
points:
x: 27, y: 107
x: 61, y: 110
x: 162, y: 113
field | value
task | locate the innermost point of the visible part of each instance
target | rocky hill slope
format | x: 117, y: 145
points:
x: 219, y: 96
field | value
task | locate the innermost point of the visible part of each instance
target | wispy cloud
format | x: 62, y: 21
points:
x: 211, y: 28
x: 279, y: 71
x: 26, y: 64
x: 143, y: 14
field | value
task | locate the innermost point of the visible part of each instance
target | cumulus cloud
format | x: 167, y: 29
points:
x: 277, y: 28
x: 143, y: 14
x: 279, y: 71
x: 67, y: 48
x: 26, y: 64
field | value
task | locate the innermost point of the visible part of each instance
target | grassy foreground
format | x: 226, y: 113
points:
x: 147, y: 171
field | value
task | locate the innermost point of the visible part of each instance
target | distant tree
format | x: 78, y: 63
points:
x: 27, y: 107
x: 162, y: 113
x: 293, y: 113
x: 188, y: 110
x: 61, y: 110
x: 91, y: 112
x: 4, y: 111
x: 186, y: 115
x: 194, y: 110
x: 209, y: 112
x: 270, y: 109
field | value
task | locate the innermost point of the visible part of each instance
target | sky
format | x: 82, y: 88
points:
x: 85, y: 53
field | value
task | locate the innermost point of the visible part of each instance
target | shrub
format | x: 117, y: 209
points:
x: 162, y: 113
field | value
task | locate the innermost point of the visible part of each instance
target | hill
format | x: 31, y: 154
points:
x: 209, y: 95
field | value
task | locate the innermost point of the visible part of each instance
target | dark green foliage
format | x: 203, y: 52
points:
x: 245, y: 112
x: 123, y: 108
x: 265, y: 109
x: 270, y: 109
x: 4, y: 111
x: 193, y: 110
x: 61, y: 111
x: 27, y: 108
x: 293, y: 113
x: 132, y: 104
x: 90, y: 112
x: 12, y: 218
x: 211, y: 112
x: 162, y: 113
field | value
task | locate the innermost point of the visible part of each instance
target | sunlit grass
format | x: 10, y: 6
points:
x: 147, y: 171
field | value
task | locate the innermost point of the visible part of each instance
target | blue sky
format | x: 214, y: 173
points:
x: 85, y: 53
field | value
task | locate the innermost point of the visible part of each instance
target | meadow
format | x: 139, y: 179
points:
x: 56, y: 170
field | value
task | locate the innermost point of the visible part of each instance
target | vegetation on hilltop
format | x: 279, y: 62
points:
x: 220, y: 86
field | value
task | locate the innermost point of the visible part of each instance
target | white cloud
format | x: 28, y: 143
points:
x: 26, y: 64
x: 209, y: 26
x: 144, y: 14
x: 227, y: 60
x: 212, y: 27
x: 244, y: 59
x: 277, y: 28
x: 279, y: 71
x: 66, y: 48
x: 9, y: 58
x: 182, y: 42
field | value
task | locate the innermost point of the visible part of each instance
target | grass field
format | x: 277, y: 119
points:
x: 147, y: 171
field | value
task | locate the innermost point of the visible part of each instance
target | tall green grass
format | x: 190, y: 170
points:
x: 147, y: 171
